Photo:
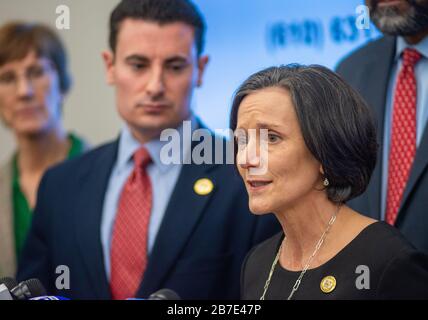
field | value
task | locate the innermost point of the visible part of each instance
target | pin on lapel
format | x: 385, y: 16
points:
x: 203, y: 186
x: 328, y: 284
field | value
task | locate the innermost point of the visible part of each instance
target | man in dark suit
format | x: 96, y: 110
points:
x: 124, y: 220
x: 392, y: 75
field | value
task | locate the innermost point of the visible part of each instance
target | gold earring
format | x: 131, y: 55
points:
x: 326, y: 183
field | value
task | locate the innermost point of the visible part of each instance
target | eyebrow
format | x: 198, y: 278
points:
x: 137, y: 57
x: 264, y: 125
x: 29, y: 67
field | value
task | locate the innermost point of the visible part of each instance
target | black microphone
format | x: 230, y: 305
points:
x: 9, y: 282
x: 164, y: 294
x: 6, y: 285
x: 28, y: 289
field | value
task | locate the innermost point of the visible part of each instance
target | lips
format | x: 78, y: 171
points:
x: 28, y: 111
x: 257, y: 185
x: 153, y: 108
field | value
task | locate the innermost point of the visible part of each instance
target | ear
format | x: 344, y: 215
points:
x: 108, y: 58
x: 321, y: 170
x: 202, y: 64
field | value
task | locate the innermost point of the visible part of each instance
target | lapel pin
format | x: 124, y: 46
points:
x: 328, y: 284
x: 203, y: 186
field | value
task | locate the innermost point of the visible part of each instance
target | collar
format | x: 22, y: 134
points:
x: 401, y: 44
x: 128, y: 145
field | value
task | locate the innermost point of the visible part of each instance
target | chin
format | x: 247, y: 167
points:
x: 259, y: 208
x: 31, y: 129
x: 154, y: 121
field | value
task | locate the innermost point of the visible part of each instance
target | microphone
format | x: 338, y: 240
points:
x: 50, y: 298
x: 6, y: 285
x: 28, y: 289
x: 9, y: 282
x: 164, y: 294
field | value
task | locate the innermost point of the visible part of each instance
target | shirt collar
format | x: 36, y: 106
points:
x: 401, y: 44
x: 128, y: 145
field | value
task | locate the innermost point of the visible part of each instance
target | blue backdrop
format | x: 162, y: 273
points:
x: 245, y: 36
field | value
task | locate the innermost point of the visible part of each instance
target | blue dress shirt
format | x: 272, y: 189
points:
x: 163, y: 178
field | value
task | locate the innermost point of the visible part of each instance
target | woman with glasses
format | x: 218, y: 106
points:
x: 34, y: 82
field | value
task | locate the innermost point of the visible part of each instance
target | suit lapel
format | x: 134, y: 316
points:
x: 88, y: 213
x: 184, y: 210
x: 375, y: 75
x: 419, y: 165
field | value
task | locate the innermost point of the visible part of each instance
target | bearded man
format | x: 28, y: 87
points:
x: 392, y: 74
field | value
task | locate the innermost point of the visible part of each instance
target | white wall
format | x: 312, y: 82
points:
x: 89, y: 108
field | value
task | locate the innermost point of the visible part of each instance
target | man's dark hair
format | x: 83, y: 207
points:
x: 336, y: 123
x: 161, y: 12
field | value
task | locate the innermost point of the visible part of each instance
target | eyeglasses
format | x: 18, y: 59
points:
x: 35, y: 75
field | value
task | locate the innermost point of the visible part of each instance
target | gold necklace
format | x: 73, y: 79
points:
x: 308, y: 263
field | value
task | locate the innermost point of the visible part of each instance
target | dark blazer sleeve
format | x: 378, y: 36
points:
x: 35, y: 256
x: 405, y: 277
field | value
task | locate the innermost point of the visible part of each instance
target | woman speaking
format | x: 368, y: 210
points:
x: 317, y: 152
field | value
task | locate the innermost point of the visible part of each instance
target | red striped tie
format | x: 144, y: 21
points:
x: 129, y: 243
x: 403, y: 134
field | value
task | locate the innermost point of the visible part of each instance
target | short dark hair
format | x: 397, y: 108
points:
x: 17, y: 39
x: 161, y: 12
x: 337, y: 125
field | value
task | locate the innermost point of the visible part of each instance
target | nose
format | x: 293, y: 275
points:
x: 25, y: 88
x: 155, y: 86
x: 248, y: 156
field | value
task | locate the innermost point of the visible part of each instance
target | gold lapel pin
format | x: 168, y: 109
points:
x: 328, y: 284
x: 203, y: 186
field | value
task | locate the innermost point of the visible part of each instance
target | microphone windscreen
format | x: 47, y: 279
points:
x: 10, y: 283
x: 164, y: 294
x: 36, y: 288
